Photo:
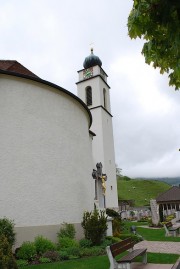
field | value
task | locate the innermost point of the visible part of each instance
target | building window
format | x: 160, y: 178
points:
x: 104, y: 97
x: 89, y: 96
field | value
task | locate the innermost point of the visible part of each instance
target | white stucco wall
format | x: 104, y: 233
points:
x: 46, y: 159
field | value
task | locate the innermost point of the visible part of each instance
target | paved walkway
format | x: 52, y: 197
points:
x: 158, y: 247
x: 151, y: 266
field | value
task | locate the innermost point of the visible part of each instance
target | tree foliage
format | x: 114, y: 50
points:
x: 7, y: 260
x: 158, y: 22
x: 95, y: 226
x: 7, y: 229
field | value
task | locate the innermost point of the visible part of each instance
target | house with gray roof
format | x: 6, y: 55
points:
x: 169, y: 201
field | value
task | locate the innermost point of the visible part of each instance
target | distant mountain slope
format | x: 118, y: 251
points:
x: 140, y: 190
x: 174, y: 181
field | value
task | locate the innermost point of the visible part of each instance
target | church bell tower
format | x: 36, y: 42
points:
x: 93, y: 89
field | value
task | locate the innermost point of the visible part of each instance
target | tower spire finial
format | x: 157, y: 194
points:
x: 91, y: 46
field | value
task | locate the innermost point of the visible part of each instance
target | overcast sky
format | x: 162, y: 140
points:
x: 52, y: 38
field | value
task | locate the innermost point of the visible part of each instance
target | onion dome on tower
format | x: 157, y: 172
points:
x: 91, y: 60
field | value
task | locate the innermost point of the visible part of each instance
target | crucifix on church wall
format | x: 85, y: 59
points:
x: 100, y: 186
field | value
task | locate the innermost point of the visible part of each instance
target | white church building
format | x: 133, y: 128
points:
x: 57, y: 150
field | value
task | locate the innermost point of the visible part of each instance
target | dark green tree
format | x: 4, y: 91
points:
x: 7, y: 229
x: 95, y: 226
x: 7, y: 260
x: 158, y: 23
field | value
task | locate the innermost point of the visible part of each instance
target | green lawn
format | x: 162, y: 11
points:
x: 101, y: 262
x: 150, y: 234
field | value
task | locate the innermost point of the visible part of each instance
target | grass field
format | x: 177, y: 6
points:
x: 150, y: 234
x: 102, y: 262
x: 141, y: 191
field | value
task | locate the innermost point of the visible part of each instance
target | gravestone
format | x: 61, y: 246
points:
x: 154, y: 212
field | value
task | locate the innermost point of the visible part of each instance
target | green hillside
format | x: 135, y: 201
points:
x: 139, y: 190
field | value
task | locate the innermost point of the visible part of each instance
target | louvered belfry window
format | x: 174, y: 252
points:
x: 89, y: 96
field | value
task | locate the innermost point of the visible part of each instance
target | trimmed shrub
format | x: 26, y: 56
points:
x: 73, y: 252
x: 112, y: 213
x: 135, y: 237
x: 67, y: 230
x: 7, y: 260
x: 106, y: 243
x: 85, y: 243
x: 52, y: 255
x: 43, y: 244
x: 63, y: 255
x: 66, y: 242
x: 85, y: 252
x: 93, y: 251
x: 95, y: 226
x: 113, y: 239
x: 21, y: 263
x: 27, y: 251
x: 44, y: 260
x: 7, y: 229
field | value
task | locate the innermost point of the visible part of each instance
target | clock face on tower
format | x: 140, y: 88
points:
x: 87, y: 73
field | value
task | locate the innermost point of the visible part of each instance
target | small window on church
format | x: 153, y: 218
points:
x: 104, y: 96
x: 89, y: 96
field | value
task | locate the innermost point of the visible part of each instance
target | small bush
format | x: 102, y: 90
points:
x: 117, y: 226
x: 63, y: 255
x: 85, y: 252
x: 73, y: 251
x: 66, y: 242
x: 94, y: 251
x: 27, y: 251
x: 7, y: 229
x: 52, y: 255
x: 21, y: 263
x: 67, y: 230
x: 134, y: 237
x: 143, y: 219
x: 112, y: 213
x: 43, y: 244
x: 85, y: 243
x: 106, y: 243
x: 44, y: 260
x: 97, y: 251
x: 95, y: 226
x: 113, y: 239
x: 7, y: 260
x: 169, y: 218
